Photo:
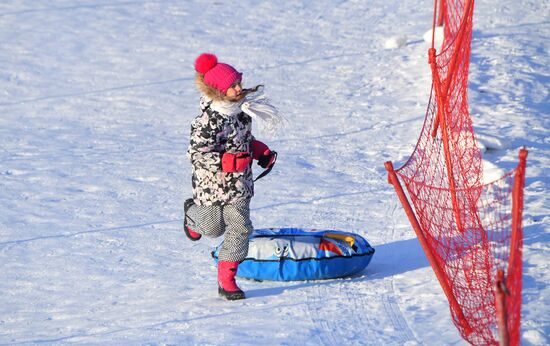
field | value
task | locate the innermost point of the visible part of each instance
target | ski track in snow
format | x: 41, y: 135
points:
x: 96, y: 99
x: 369, y: 303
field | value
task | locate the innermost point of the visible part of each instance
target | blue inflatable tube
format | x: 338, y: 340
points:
x: 289, y: 254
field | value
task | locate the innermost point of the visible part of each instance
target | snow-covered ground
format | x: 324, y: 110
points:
x: 96, y: 98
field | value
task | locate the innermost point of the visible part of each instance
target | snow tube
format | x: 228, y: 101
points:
x: 289, y: 254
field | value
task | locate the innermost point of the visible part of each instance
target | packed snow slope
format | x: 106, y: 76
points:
x: 96, y: 99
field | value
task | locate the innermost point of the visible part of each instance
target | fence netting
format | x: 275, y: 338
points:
x: 472, y: 228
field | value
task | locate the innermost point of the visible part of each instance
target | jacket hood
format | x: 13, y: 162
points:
x: 208, y: 91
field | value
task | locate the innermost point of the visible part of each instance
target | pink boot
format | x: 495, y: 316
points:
x: 227, y: 287
x: 192, y: 235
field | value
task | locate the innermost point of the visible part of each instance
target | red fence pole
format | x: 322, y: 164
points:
x: 441, y: 98
x: 441, y: 122
x: 517, y: 209
x: 392, y: 179
x: 501, y: 290
x: 441, y: 12
x: 452, y: 65
x: 500, y: 307
x: 513, y: 305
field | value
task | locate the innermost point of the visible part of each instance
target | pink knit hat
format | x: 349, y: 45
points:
x: 217, y: 75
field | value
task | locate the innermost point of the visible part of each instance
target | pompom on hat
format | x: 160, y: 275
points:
x: 217, y: 75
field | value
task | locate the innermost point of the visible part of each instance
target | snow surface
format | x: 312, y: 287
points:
x: 96, y: 99
x: 438, y: 37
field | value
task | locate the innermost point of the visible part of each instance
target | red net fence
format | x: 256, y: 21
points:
x: 470, y: 231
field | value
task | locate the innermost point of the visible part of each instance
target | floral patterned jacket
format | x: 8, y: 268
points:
x: 221, y: 127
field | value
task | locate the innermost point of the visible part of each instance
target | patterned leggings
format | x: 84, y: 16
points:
x: 231, y: 219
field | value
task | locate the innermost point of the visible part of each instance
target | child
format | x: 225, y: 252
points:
x: 221, y: 151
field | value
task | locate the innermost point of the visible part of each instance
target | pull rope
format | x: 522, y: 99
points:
x: 268, y: 169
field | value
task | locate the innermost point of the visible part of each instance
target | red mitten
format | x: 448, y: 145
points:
x: 267, y: 159
x: 258, y: 149
x: 235, y: 162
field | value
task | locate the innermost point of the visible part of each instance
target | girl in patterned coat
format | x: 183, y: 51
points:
x: 221, y: 151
